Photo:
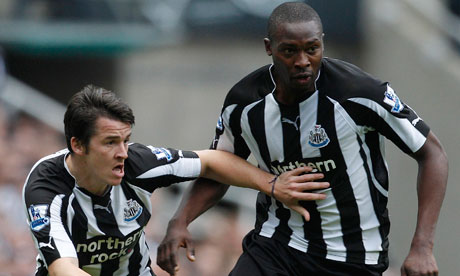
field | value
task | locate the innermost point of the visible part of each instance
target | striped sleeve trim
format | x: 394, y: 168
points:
x: 410, y: 135
x: 226, y: 140
x: 183, y: 167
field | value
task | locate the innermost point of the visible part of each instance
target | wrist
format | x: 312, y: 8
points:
x: 418, y: 244
x: 272, y: 189
x: 177, y: 221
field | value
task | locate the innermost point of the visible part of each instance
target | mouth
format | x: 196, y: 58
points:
x: 119, y: 170
x: 303, y: 78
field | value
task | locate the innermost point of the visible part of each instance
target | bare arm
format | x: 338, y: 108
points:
x: 431, y: 187
x: 202, y: 195
x: 64, y: 267
x: 225, y: 167
x: 289, y: 188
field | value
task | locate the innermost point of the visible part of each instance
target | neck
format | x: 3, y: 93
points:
x: 289, y: 97
x: 82, y: 178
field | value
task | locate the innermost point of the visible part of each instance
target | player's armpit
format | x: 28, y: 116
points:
x: 64, y: 267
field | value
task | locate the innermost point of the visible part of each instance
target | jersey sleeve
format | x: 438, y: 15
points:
x: 253, y: 87
x: 44, y: 207
x: 228, y: 132
x: 150, y: 167
x: 382, y: 110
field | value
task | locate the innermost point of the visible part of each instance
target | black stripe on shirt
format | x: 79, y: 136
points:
x: 343, y: 194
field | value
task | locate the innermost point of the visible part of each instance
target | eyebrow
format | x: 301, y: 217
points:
x: 294, y: 44
x: 116, y: 137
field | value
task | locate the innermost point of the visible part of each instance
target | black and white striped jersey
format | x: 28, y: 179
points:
x: 105, y: 233
x: 338, y: 130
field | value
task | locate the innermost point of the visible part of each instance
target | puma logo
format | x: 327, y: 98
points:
x: 294, y: 123
x: 42, y: 244
x: 416, y: 120
x: 100, y: 207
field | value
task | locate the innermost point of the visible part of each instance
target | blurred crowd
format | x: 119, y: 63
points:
x: 24, y: 140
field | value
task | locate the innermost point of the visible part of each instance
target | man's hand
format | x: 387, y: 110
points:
x: 290, y: 188
x: 420, y: 262
x: 293, y: 186
x: 66, y: 266
x: 177, y: 236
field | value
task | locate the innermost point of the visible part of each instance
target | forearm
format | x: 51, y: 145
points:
x: 230, y: 169
x: 202, y: 195
x: 66, y: 267
x: 431, y: 187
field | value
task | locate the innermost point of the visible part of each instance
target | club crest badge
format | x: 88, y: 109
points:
x: 318, y: 137
x: 132, y: 211
x: 38, y: 216
x: 393, y: 100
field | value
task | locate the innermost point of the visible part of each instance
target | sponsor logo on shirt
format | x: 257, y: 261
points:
x: 318, y: 137
x: 161, y: 153
x: 132, y: 211
x: 38, y: 216
x: 102, y: 248
x: 392, y: 100
x: 317, y: 164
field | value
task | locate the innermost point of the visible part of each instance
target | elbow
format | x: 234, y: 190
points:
x: 443, y: 159
x: 432, y: 153
x: 440, y: 155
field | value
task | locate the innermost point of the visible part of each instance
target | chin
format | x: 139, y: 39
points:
x: 115, y: 183
x: 302, y: 88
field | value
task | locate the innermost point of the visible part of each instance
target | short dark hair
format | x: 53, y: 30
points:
x: 86, y: 106
x: 291, y: 12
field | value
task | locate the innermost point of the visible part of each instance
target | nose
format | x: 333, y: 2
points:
x: 302, y: 60
x: 122, y: 151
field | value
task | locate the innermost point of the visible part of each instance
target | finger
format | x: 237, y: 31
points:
x: 190, y: 250
x: 169, y: 257
x: 305, y: 214
x: 403, y: 271
x: 173, y: 265
x: 309, y: 177
x: 164, y: 258
x: 300, y: 170
x: 308, y: 186
x: 302, y: 196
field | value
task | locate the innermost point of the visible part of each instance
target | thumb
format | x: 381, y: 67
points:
x: 190, y: 250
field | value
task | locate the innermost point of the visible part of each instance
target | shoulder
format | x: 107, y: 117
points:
x: 48, y: 177
x: 344, y: 80
x: 142, y: 158
x: 251, y: 88
x: 142, y: 154
x: 135, y: 150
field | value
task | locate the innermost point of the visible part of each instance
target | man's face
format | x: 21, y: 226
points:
x: 106, y: 153
x: 296, y: 50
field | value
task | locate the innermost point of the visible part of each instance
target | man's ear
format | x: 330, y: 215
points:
x: 322, y: 41
x: 268, y: 47
x: 77, y: 147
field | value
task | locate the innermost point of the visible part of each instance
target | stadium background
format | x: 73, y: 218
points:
x: 174, y: 61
